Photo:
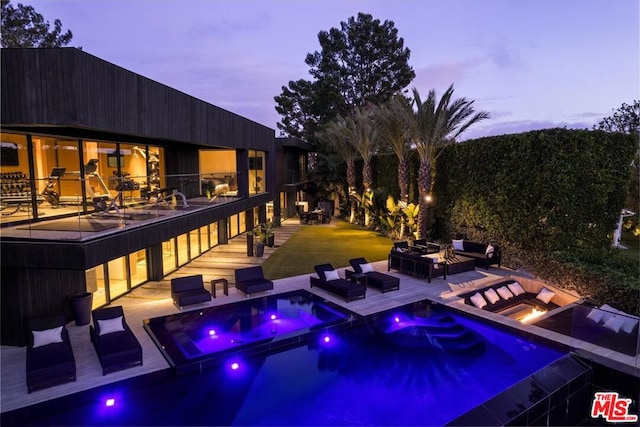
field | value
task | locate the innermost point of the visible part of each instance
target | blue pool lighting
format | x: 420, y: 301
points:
x: 110, y: 402
x: 235, y: 366
x: 212, y: 332
x: 326, y: 338
x: 274, y: 317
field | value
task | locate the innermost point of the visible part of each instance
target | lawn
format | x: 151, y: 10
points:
x: 318, y: 245
x: 633, y: 245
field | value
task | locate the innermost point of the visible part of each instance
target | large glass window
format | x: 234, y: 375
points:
x: 169, y: 258
x: 138, y: 267
x: 233, y: 226
x: 194, y: 243
x: 257, y: 166
x: 213, y: 233
x: 218, y: 175
x: 15, y: 200
x: 204, y: 239
x: 183, y: 249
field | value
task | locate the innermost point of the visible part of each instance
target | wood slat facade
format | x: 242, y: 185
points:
x: 69, y: 93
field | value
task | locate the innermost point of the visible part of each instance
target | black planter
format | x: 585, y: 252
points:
x: 259, y: 249
x: 81, y: 307
x: 271, y: 241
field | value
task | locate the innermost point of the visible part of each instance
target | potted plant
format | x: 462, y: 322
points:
x: 263, y: 234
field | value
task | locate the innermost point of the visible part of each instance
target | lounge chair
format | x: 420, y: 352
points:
x: 329, y: 281
x: 381, y: 281
x: 189, y: 290
x: 116, y: 345
x: 50, y: 358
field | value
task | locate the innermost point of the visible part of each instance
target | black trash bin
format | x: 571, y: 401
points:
x: 81, y: 307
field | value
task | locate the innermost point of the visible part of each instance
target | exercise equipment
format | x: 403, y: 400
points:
x: 49, y: 194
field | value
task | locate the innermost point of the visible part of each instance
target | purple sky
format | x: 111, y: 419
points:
x: 532, y: 64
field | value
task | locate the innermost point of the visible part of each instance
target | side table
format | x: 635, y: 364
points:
x: 225, y: 286
x: 356, y: 277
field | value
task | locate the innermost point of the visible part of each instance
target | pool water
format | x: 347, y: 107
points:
x: 423, y: 364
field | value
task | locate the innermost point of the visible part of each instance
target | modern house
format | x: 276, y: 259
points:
x: 110, y: 179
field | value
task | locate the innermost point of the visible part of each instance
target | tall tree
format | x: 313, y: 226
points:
x: 22, y: 26
x: 365, y: 140
x: 362, y: 62
x: 626, y: 119
x: 435, y: 125
x: 392, y: 118
x: 339, y: 135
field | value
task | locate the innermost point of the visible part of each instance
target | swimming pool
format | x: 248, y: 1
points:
x: 423, y: 364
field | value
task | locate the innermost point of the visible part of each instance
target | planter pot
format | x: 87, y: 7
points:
x: 259, y: 249
x: 271, y: 241
x: 81, y: 307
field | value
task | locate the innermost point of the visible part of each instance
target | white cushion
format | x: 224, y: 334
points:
x: 608, y: 312
x: 366, y: 268
x: 515, y: 288
x: 614, y: 323
x: 458, y: 245
x: 331, y: 275
x: 110, y: 325
x: 491, y: 296
x: 545, y: 295
x: 504, y: 292
x: 629, y: 323
x: 477, y: 300
x: 48, y: 336
x: 489, y: 251
x: 596, y: 315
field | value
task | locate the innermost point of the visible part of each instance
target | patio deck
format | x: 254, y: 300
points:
x: 153, y: 299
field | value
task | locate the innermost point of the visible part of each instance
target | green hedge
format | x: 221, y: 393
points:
x: 539, y: 193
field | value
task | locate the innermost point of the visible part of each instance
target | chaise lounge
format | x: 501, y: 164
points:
x: 329, y: 280
x: 116, y: 345
x: 50, y: 359
x: 381, y: 281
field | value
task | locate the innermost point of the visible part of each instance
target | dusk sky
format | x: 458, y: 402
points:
x: 532, y: 64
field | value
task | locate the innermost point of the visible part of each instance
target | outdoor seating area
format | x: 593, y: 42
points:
x: 484, y: 254
x: 189, y: 290
x: 329, y: 280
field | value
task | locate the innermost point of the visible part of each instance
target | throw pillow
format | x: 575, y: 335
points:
x: 629, y: 323
x: 491, y: 296
x: 366, y: 268
x: 110, y: 325
x: 458, y: 245
x: 596, y: 315
x: 489, y: 251
x: 545, y: 295
x: 608, y: 311
x: 477, y: 300
x: 614, y: 323
x: 48, y: 336
x: 504, y: 292
x: 331, y: 275
x: 515, y: 288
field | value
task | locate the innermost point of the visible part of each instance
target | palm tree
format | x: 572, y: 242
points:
x: 393, y: 118
x: 364, y: 141
x: 435, y: 125
x: 338, y: 135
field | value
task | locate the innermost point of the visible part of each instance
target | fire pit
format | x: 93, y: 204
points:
x: 524, y: 313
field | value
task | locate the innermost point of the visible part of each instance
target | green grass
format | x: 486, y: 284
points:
x: 318, y: 245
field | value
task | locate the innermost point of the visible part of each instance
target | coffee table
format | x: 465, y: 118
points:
x: 459, y: 264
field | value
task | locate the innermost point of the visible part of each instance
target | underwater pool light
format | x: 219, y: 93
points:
x: 396, y: 319
x: 273, y: 317
x: 110, y: 402
x: 235, y: 366
x: 326, y: 339
x: 212, y: 332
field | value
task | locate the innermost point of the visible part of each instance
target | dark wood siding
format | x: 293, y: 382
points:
x: 67, y: 87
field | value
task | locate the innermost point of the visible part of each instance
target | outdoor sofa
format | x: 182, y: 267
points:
x: 329, y: 280
x: 381, y: 281
x: 484, y: 254
x: 405, y: 261
x: 251, y: 280
x: 50, y: 359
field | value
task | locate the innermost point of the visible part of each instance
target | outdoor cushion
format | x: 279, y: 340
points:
x: 545, y: 295
x: 491, y: 296
x: 366, y: 268
x: 331, y: 275
x: 515, y: 288
x: 614, y: 323
x: 489, y: 251
x: 504, y: 292
x: 48, y: 336
x: 596, y: 314
x: 608, y: 312
x: 110, y: 326
x: 458, y: 245
x: 477, y: 300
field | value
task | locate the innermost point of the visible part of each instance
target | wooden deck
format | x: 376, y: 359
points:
x: 153, y: 299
